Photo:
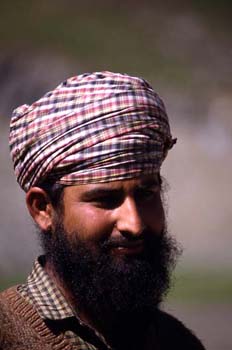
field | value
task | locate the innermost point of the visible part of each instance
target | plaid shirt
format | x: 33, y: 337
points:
x: 41, y: 291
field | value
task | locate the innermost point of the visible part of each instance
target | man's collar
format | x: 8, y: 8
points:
x: 43, y: 293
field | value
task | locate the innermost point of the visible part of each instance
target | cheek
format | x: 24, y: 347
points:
x: 88, y: 222
x: 154, y: 217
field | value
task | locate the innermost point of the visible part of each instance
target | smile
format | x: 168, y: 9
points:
x: 129, y: 248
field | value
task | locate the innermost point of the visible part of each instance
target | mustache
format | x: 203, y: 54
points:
x: 123, y: 243
x: 145, y: 238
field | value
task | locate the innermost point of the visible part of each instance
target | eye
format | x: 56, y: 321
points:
x: 147, y: 194
x: 107, y: 201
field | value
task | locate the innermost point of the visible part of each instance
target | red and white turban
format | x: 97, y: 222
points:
x: 92, y: 128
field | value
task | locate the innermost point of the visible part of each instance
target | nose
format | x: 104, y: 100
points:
x: 128, y: 218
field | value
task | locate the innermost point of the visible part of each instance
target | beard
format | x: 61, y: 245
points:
x: 104, y: 284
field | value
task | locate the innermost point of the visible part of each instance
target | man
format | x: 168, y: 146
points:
x: 88, y: 155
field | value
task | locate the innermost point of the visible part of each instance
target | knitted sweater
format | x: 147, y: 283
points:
x: 22, y: 328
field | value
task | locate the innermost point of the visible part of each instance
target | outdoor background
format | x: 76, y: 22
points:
x: 184, y: 49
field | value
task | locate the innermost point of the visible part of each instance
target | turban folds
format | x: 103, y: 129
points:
x: 92, y: 128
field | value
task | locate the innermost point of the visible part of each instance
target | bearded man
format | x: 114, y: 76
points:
x: 88, y: 155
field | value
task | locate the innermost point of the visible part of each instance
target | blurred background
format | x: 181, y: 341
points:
x: 184, y: 49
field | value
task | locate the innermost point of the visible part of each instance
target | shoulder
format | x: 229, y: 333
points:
x: 13, y: 309
x: 5, y: 298
x: 18, y: 323
x: 8, y: 295
x: 8, y: 298
x: 5, y: 313
x: 173, y: 334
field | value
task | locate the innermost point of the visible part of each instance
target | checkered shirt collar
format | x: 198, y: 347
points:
x: 45, y: 295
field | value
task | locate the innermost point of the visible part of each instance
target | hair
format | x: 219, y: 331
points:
x: 55, y: 192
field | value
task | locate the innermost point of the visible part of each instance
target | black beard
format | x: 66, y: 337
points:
x: 102, y: 284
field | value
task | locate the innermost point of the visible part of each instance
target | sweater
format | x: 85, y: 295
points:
x: 22, y: 328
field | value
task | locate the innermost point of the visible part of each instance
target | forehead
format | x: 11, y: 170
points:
x: 125, y: 185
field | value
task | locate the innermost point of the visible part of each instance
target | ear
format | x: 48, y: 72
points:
x: 40, y: 207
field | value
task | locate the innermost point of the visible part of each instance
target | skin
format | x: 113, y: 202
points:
x: 118, y: 211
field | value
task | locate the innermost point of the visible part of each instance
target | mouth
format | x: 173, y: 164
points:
x: 128, y: 248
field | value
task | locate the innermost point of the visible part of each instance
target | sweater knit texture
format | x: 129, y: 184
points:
x: 22, y: 328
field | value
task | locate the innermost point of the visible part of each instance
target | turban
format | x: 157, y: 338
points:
x: 92, y: 128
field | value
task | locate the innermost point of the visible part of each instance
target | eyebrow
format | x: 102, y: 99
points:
x: 100, y: 192
x: 152, y: 182
x: 104, y: 191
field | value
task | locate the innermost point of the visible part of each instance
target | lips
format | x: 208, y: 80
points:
x: 128, y: 248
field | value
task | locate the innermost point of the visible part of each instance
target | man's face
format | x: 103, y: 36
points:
x: 109, y: 245
x: 119, y: 213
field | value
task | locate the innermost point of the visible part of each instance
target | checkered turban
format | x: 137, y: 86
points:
x: 92, y: 128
